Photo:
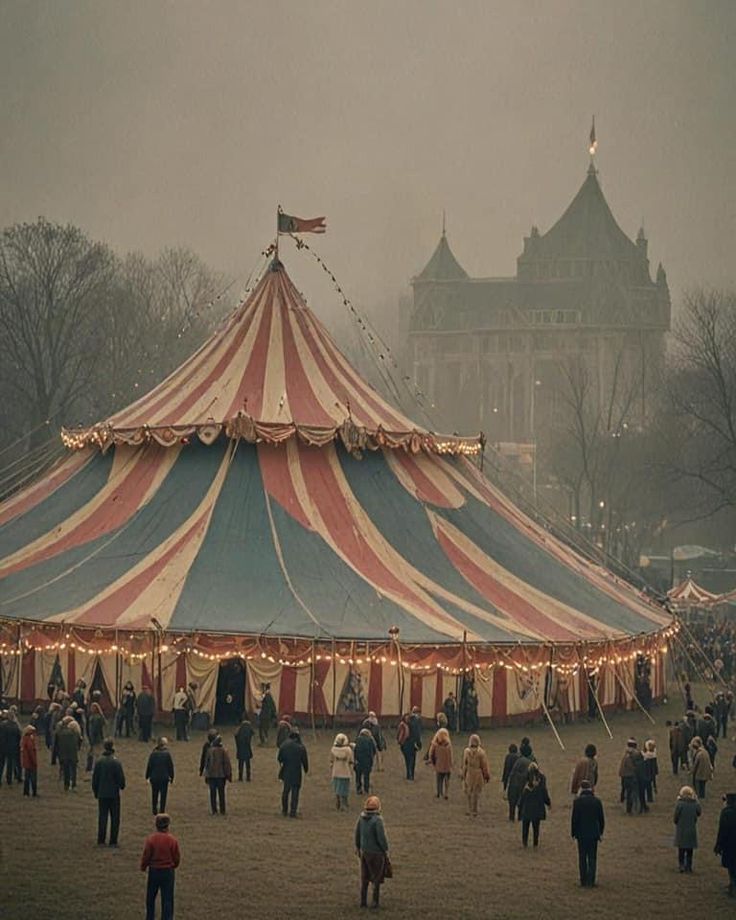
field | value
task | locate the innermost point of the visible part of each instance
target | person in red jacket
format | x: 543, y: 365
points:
x: 161, y: 857
x: 29, y: 761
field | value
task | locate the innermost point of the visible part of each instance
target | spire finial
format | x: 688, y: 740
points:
x: 593, y: 144
x: 444, y: 223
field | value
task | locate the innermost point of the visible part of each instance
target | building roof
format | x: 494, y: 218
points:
x: 443, y: 266
x: 587, y: 230
x: 271, y: 372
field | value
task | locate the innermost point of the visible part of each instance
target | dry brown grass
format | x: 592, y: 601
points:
x: 254, y: 863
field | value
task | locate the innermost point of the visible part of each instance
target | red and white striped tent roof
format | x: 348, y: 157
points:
x: 689, y: 594
x: 271, y: 372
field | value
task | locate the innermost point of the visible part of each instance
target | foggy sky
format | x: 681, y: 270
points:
x: 158, y: 123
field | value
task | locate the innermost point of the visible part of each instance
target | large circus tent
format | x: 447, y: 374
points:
x: 265, y: 508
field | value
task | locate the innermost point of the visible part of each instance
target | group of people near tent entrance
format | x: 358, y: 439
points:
x: 353, y: 761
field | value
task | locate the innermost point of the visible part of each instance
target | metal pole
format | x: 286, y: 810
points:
x: 334, y: 683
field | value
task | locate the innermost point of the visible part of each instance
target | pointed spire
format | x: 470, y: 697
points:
x: 444, y: 223
x: 443, y: 266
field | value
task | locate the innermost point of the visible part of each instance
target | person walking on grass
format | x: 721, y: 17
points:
x: 373, y: 725
x: 96, y: 731
x: 341, y: 768
x: 678, y: 746
x: 206, y: 745
x: 585, y: 769
x: 217, y: 772
x: 702, y: 768
x: 533, y: 804
x: 146, y: 706
x: 475, y: 773
x: 364, y: 754
x: 517, y: 780
x: 726, y: 840
x: 440, y: 756
x: 408, y: 746
x: 293, y: 760
x: 508, y: 765
x: 29, y: 761
x: 181, y: 714
x: 687, y: 812
x: 108, y: 781
x: 651, y: 769
x: 587, y: 825
x: 67, y: 745
x: 159, y: 773
x: 371, y: 848
x: 243, y: 748
x: 126, y: 709
x: 631, y: 772
x: 161, y: 857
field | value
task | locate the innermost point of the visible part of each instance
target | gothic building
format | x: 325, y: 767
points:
x: 494, y: 353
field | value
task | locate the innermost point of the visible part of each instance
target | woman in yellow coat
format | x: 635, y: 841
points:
x: 475, y: 773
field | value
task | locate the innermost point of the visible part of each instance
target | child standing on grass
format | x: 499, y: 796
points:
x: 687, y: 812
x: 341, y: 768
x: 440, y: 756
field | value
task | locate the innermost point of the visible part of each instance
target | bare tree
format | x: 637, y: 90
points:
x: 701, y: 427
x: 52, y: 278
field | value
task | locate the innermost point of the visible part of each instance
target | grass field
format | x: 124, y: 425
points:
x: 253, y: 863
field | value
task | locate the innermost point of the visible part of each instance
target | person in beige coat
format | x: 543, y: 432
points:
x: 702, y: 768
x: 341, y: 766
x: 440, y: 756
x: 476, y: 773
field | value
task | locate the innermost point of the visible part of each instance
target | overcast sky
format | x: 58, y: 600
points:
x: 156, y: 123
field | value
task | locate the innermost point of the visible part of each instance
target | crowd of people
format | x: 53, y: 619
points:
x: 74, y: 727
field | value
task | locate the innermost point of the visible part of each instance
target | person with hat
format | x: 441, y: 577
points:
x: 283, y: 729
x: 146, y: 706
x: 371, y: 722
x: 125, y: 710
x: 67, y: 746
x: 108, y: 781
x: 364, y: 753
x: 371, y: 847
x: 702, y: 767
x: 632, y: 773
x: 244, y: 748
x: 29, y: 761
x: 159, y: 773
x: 292, y: 756
x: 161, y: 856
x: 407, y: 745
x: 9, y: 742
x: 266, y: 713
x: 217, y: 772
x: 440, y: 756
x: 475, y: 773
x: 96, y: 731
x: 341, y: 767
x: 687, y: 812
x: 588, y: 822
x: 726, y: 840
x: 206, y: 745
x: 585, y: 768
x: 181, y: 714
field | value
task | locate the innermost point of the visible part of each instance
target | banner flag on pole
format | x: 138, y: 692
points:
x: 290, y: 224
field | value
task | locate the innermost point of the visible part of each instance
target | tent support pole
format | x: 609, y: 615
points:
x: 540, y: 697
x: 19, y: 656
x: 311, y: 691
x: 591, y: 688
x: 334, y: 682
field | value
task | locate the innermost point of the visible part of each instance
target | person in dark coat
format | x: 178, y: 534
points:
x: 449, y: 707
x: 533, y: 804
x: 66, y: 744
x: 125, y: 711
x: 371, y: 847
x: 678, y: 746
x: 517, y: 780
x: 408, y: 745
x: 508, y: 765
x: 96, y: 730
x: 217, y: 772
x: 633, y: 777
x: 525, y: 749
x: 415, y: 727
x: 243, y: 748
x: 726, y: 840
x: 159, y: 773
x: 283, y: 729
x: 293, y: 758
x: 108, y: 781
x: 211, y: 735
x: 146, y: 706
x: 267, y: 715
x: 587, y: 825
x: 364, y: 756
x: 9, y: 748
x: 687, y: 812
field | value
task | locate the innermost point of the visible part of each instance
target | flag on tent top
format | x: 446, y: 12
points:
x: 290, y: 224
